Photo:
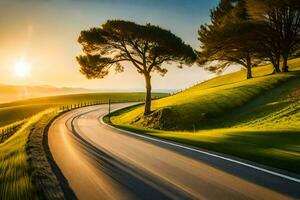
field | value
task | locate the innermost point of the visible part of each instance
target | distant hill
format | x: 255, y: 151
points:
x: 18, y: 92
x: 9, y: 93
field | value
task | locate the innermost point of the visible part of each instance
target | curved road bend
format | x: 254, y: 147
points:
x: 102, y: 163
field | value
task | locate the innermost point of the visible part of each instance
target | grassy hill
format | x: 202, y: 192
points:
x: 192, y: 108
x: 257, y: 119
x: 18, y: 110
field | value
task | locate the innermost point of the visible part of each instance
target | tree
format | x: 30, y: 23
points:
x: 146, y: 47
x: 219, y: 14
x: 280, y: 20
x: 268, y: 47
x: 229, y: 39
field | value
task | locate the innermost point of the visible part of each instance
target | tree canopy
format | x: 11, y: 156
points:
x: 248, y: 32
x: 146, y: 47
x: 229, y: 39
x: 279, y: 25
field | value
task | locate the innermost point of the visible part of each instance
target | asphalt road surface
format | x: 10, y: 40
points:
x: 100, y: 162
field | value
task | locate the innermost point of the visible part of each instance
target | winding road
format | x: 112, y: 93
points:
x: 100, y: 162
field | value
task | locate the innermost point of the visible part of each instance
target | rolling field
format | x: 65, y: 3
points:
x: 15, y: 171
x: 19, y: 110
x: 21, y: 160
x: 257, y: 119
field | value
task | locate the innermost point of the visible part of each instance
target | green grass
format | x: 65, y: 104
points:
x: 19, y: 110
x: 15, y: 179
x: 44, y: 180
x: 276, y: 148
x: 196, y: 105
x: 17, y: 123
x: 257, y: 119
x: 22, y: 161
x: 278, y: 109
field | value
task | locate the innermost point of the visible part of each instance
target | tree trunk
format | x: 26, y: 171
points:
x: 147, y: 110
x: 275, y: 63
x: 249, y: 67
x: 285, y: 67
x: 249, y: 73
x: 276, y: 68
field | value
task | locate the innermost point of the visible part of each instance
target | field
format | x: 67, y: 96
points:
x: 24, y: 169
x: 257, y: 119
x: 15, y: 177
x: 19, y: 110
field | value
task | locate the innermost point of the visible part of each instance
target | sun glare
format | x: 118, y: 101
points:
x: 22, y: 68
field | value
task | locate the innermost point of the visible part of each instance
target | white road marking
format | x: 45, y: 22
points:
x: 203, y: 152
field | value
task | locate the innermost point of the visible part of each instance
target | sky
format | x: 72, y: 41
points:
x: 43, y: 34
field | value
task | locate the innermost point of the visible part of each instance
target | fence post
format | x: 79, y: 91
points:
x: 2, y: 133
x: 109, y: 110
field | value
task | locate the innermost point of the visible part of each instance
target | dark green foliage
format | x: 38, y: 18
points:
x: 279, y: 28
x: 247, y: 32
x: 230, y: 38
x: 220, y: 13
x: 146, y: 47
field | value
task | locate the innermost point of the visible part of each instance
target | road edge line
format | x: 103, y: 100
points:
x: 200, y: 151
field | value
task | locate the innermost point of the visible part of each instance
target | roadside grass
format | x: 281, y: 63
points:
x: 42, y: 167
x: 19, y: 110
x: 257, y: 120
x: 275, y: 148
x: 15, y: 179
x: 25, y: 171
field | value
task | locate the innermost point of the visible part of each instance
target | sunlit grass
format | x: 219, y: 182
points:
x: 19, y: 110
x: 14, y: 124
x: 15, y: 180
x: 278, y: 148
x: 15, y: 170
x: 9, y: 115
x: 214, y: 97
x: 258, y: 119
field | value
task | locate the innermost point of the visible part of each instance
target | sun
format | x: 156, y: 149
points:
x: 22, y: 68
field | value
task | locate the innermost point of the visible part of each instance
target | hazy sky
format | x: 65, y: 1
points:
x: 44, y: 33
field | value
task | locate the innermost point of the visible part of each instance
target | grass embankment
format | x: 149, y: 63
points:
x: 16, y: 173
x: 44, y: 179
x: 19, y: 110
x: 25, y: 171
x: 257, y: 119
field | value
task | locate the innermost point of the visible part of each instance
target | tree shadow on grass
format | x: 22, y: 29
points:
x: 280, y: 149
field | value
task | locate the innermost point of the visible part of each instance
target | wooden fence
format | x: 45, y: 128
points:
x: 5, y: 133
